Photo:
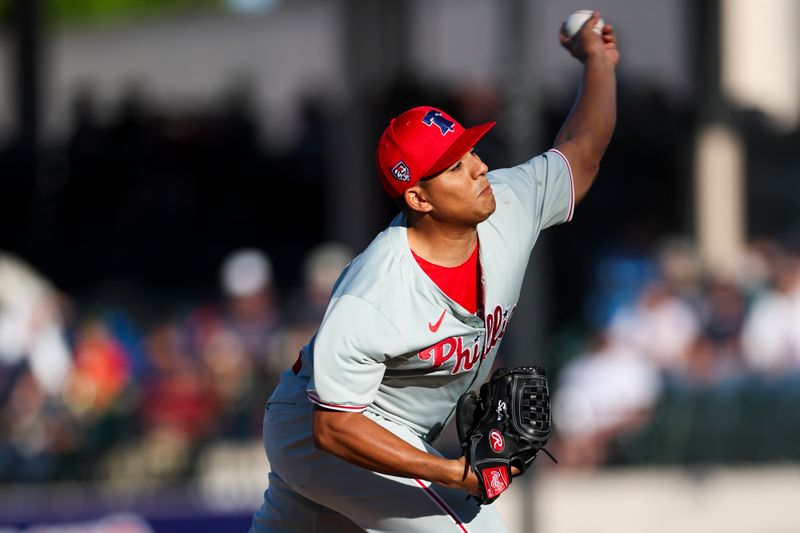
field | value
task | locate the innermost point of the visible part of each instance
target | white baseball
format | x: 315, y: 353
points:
x: 575, y: 22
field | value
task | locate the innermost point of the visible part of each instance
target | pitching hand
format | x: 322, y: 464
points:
x: 587, y: 43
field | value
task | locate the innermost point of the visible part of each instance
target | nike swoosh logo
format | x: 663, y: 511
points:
x: 435, y: 327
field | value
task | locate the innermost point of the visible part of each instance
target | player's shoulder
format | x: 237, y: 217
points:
x: 506, y: 184
x: 376, y: 270
x: 529, y: 174
x: 531, y: 167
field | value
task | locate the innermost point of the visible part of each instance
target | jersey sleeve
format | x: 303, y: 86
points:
x: 351, y: 348
x: 558, y: 201
x: 544, y: 185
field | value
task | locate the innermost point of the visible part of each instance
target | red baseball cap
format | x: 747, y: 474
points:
x: 420, y: 143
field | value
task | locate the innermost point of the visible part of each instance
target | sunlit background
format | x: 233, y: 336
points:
x: 182, y: 181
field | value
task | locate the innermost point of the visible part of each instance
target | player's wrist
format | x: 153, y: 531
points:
x: 597, y: 57
x: 451, y: 473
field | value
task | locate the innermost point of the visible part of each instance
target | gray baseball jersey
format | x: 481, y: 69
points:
x: 394, y: 346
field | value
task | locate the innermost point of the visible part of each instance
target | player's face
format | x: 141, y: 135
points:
x: 461, y: 194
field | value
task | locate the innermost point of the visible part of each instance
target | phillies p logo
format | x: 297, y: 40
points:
x: 435, y: 118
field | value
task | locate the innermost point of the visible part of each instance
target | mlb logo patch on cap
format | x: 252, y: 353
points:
x: 401, y: 172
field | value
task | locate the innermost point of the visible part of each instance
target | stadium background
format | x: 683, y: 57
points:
x: 180, y: 181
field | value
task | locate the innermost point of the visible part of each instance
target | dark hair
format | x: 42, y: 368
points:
x: 401, y: 204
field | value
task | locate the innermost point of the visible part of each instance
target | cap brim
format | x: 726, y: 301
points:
x: 460, y: 146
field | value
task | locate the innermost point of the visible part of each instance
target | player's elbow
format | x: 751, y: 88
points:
x: 319, y: 433
x: 323, y: 429
x: 583, y: 179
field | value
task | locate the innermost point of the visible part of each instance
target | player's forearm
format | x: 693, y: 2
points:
x: 358, y: 440
x: 590, y: 124
x: 594, y: 114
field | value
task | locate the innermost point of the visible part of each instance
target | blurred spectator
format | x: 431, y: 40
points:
x: 618, y: 279
x: 31, y: 327
x: 321, y: 268
x: 681, y: 268
x: 178, y: 406
x: 29, y: 432
x: 603, y: 393
x: 771, y: 336
x: 706, y: 337
x: 252, y: 310
x: 757, y: 267
x: 177, y: 396
x: 235, y: 382
x: 236, y: 340
x: 101, y: 373
x: 716, y: 356
x: 249, y: 309
x: 306, y: 307
x: 659, y: 327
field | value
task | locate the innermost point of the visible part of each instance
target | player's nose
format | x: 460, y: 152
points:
x: 480, y: 168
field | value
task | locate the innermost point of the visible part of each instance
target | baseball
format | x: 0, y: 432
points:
x: 575, y: 22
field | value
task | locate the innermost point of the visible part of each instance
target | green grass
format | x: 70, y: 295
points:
x: 100, y: 12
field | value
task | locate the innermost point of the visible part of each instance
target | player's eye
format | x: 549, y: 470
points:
x: 458, y: 165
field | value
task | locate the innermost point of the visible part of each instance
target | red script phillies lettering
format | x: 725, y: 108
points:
x: 466, y: 358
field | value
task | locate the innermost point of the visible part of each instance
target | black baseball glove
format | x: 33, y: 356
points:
x: 507, y: 425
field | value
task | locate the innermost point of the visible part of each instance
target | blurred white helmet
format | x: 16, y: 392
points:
x: 246, y: 272
x: 323, y: 265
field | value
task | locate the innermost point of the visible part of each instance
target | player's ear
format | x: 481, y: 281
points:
x: 417, y: 199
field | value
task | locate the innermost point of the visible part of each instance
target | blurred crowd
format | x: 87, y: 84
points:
x: 111, y: 364
x: 664, y: 326
x: 89, y: 393
x: 95, y: 384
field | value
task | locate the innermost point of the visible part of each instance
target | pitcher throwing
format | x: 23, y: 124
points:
x: 416, y: 320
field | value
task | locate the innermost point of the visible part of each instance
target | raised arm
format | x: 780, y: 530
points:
x: 587, y: 130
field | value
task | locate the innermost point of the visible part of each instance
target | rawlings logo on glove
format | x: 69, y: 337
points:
x: 507, y: 425
x: 497, y: 441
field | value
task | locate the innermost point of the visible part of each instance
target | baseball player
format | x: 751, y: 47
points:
x: 417, y: 318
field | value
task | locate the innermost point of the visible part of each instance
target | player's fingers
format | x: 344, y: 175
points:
x: 608, y: 34
x: 565, y: 41
x: 592, y: 22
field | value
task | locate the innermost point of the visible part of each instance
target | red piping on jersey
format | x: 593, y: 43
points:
x: 571, y: 185
x: 315, y: 399
x: 443, y: 506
